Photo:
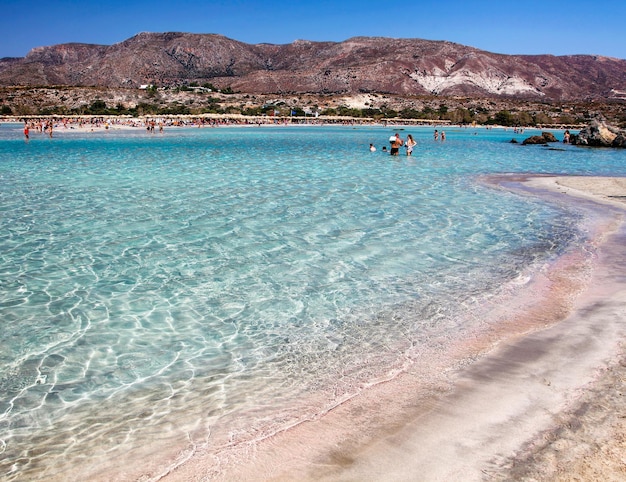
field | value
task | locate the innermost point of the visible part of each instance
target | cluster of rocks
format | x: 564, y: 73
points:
x: 543, y: 139
x: 600, y: 134
x: 596, y: 134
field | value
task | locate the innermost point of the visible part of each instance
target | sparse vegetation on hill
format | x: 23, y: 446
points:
x: 195, y: 100
x: 399, y: 67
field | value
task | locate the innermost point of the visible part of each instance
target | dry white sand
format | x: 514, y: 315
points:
x: 544, y: 402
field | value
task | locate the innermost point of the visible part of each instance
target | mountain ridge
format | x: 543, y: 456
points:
x: 355, y: 65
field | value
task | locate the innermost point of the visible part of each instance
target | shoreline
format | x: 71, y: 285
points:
x: 538, y: 398
x: 103, y: 123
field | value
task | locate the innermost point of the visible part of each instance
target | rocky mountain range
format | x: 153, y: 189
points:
x: 357, y: 65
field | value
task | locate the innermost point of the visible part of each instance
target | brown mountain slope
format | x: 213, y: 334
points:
x: 361, y: 64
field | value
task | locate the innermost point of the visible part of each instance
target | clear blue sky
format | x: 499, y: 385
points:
x: 525, y: 27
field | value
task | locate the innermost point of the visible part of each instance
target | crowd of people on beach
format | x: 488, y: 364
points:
x: 94, y: 123
x: 48, y: 125
x: 43, y: 126
x: 91, y: 124
x: 396, y: 142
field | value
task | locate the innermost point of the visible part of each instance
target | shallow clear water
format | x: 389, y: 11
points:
x: 211, y: 286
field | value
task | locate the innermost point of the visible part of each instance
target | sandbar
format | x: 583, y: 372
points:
x: 541, y: 398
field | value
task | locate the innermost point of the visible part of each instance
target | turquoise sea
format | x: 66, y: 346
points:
x: 205, y: 288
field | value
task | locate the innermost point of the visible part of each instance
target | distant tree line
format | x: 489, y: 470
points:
x: 211, y: 105
x: 205, y: 103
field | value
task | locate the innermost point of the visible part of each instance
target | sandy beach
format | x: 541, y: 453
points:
x: 537, y: 396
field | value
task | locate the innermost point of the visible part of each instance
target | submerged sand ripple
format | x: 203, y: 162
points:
x: 545, y: 404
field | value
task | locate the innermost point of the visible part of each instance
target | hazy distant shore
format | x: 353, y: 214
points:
x: 160, y: 123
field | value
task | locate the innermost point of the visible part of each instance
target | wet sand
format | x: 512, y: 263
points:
x: 539, y: 395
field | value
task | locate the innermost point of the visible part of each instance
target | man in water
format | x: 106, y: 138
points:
x: 396, y: 143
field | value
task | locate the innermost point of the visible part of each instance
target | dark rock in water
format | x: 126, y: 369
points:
x: 600, y: 134
x: 544, y: 138
x: 535, y: 140
x: 513, y: 141
x: 620, y: 140
x: 549, y: 137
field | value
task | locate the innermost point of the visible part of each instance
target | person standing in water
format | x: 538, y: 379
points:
x: 410, y: 144
x: 396, y: 143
